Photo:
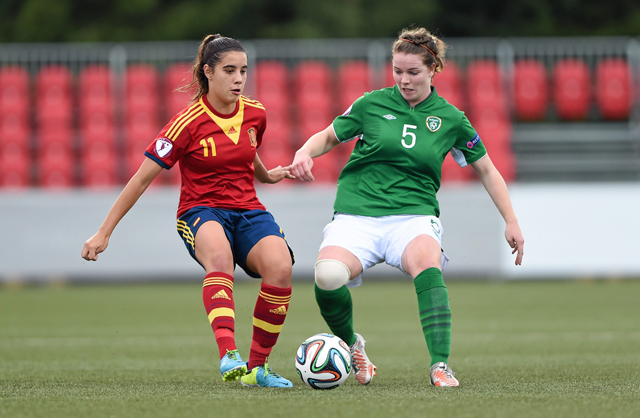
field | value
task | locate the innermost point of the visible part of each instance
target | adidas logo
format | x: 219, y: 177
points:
x: 231, y: 131
x: 279, y: 311
x: 389, y: 117
x: 221, y: 295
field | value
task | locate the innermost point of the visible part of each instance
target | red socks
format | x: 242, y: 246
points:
x: 217, y: 296
x: 268, y: 317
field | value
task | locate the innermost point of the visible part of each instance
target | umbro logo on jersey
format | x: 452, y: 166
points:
x: 221, y: 295
x: 389, y: 117
x: 279, y: 311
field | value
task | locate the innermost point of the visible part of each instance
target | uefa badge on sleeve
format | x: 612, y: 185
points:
x: 434, y: 123
x: 163, y: 148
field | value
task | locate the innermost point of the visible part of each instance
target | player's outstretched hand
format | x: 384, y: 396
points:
x: 516, y: 241
x: 302, y: 165
x: 94, y: 246
x: 279, y: 173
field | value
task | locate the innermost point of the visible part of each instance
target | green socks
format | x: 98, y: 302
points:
x: 336, y: 308
x: 435, y: 314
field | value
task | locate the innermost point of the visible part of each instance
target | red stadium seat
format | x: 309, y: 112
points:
x: 133, y: 160
x: 614, y: 88
x: 55, y: 167
x: 572, y: 89
x: 95, y: 97
x: 485, y: 88
x: 312, y: 120
x: 142, y: 107
x: 448, y: 84
x: 453, y: 173
x: 144, y: 128
x: 15, y: 166
x: 99, y: 167
x: 313, y: 83
x: 142, y: 84
x: 278, y: 125
x: 95, y: 92
x: 484, y: 81
x: 176, y: 77
x: 275, y: 153
x: 54, y: 107
x: 273, y: 80
x: 53, y: 100
x: 97, y: 126
x: 505, y: 162
x: 494, y: 130
x: 354, y: 79
x: 14, y: 94
x: 14, y: 129
x: 530, y: 90
x: 272, y: 91
x: 314, y: 98
x: 325, y: 170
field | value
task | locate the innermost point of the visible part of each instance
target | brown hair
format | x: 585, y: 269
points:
x: 420, y: 41
x: 210, y: 52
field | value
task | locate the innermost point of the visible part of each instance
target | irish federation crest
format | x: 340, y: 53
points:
x: 252, y: 137
x: 434, y: 123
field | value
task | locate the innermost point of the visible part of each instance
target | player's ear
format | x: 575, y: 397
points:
x: 208, y: 71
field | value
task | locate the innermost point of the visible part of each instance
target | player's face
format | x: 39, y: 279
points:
x: 412, y: 76
x: 226, y: 81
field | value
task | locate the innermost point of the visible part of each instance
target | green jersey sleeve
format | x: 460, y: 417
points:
x: 468, y: 147
x: 350, y: 125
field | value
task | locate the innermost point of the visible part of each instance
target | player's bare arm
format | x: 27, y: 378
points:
x: 270, y: 176
x: 497, y: 189
x: 128, y: 197
x: 319, y: 144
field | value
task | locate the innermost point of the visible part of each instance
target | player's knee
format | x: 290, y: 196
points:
x: 331, y: 274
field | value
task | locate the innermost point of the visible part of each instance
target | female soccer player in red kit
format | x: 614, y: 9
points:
x: 220, y: 219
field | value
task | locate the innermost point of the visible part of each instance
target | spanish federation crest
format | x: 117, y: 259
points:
x: 252, y: 137
x: 434, y: 123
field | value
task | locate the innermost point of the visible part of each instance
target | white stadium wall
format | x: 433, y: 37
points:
x: 571, y: 231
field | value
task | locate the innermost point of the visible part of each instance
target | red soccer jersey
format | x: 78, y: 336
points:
x: 216, y: 154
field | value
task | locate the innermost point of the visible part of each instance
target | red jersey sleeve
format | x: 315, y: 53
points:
x: 172, y: 141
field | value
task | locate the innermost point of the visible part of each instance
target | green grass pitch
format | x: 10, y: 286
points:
x: 525, y: 349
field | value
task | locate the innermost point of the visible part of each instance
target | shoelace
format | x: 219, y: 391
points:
x: 233, y: 355
x: 269, y: 371
x: 273, y: 373
x: 448, y: 371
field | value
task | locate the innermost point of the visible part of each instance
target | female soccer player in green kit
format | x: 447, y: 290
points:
x: 386, y: 207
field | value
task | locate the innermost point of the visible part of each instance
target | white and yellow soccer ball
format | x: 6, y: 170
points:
x: 323, y: 361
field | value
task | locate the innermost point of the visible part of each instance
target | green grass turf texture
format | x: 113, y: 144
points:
x: 525, y: 349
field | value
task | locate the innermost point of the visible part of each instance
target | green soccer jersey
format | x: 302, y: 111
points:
x: 396, y: 165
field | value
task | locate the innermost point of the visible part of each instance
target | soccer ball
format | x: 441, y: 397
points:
x: 323, y: 361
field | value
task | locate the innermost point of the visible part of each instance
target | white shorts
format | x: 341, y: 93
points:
x: 376, y: 239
